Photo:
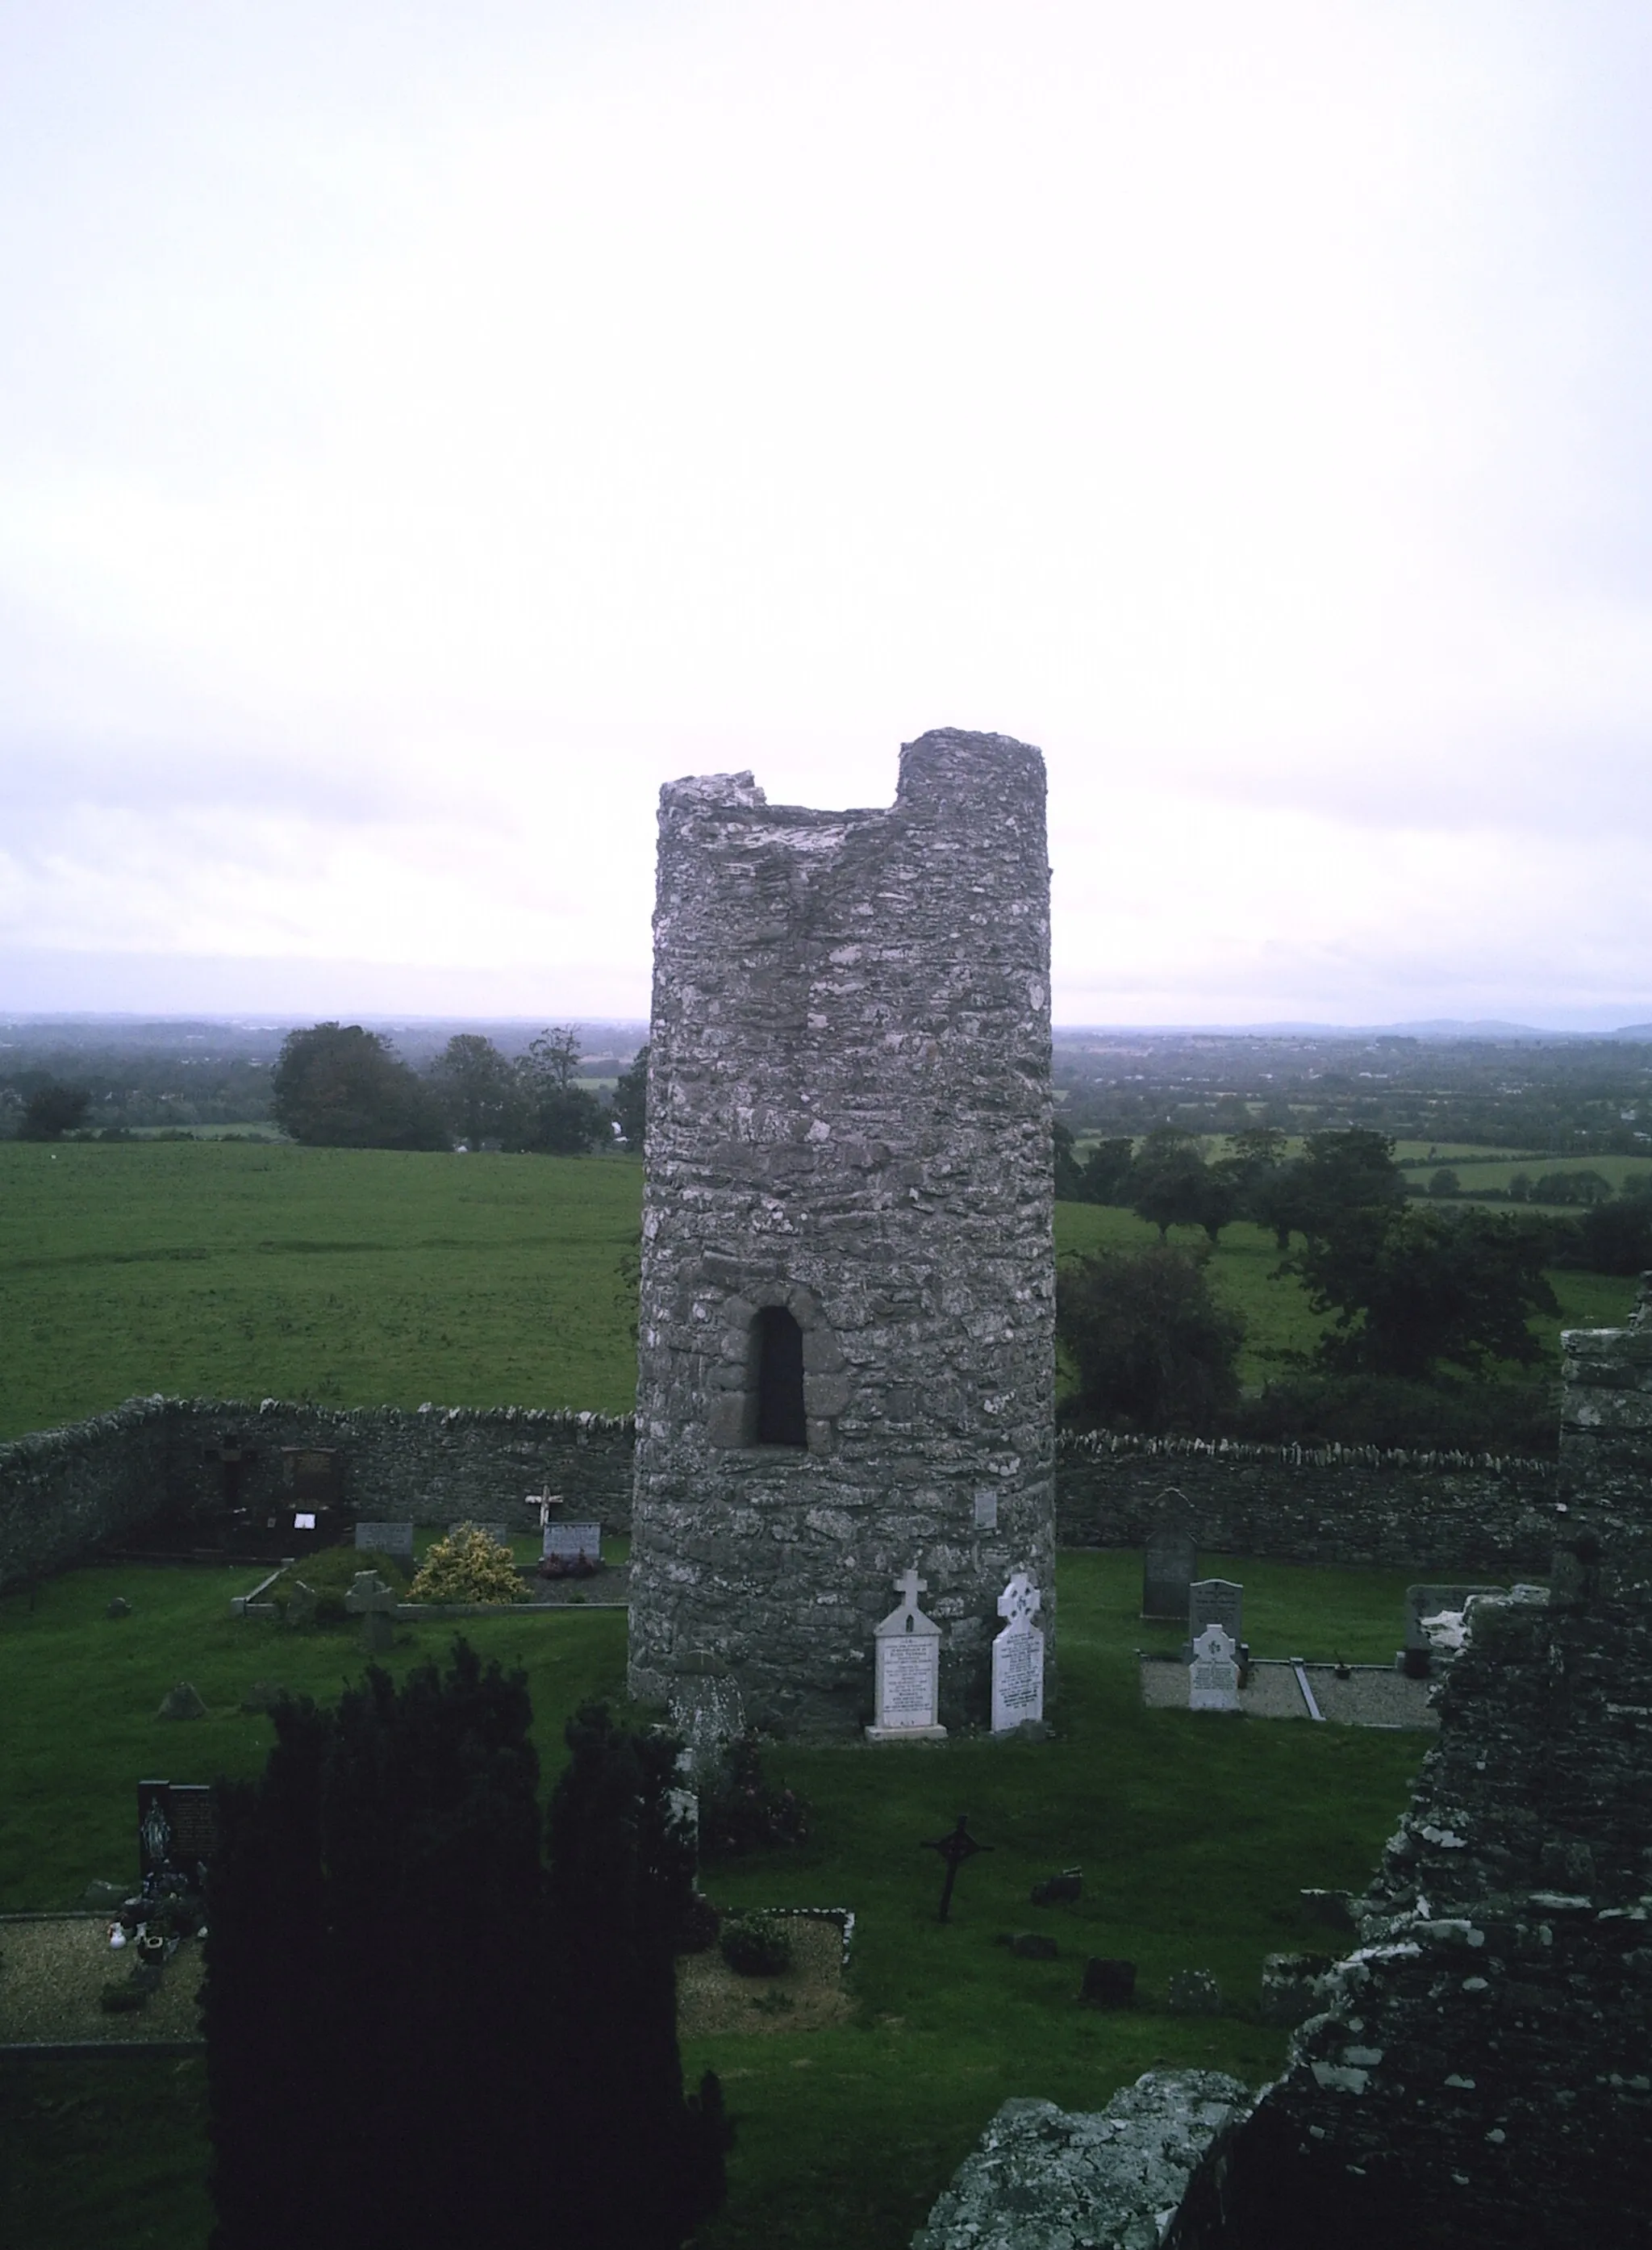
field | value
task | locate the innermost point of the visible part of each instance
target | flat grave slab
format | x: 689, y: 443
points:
x: 54, y: 1969
x: 1373, y: 1695
x: 712, y: 1998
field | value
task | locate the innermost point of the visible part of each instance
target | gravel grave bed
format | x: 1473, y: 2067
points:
x: 1372, y: 1696
x: 52, y: 1971
x: 712, y: 1997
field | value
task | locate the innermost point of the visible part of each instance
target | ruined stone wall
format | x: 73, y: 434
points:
x: 1483, y: 2074
x: 64, y: 1492
x: 1439, y: 1515
x: 848, y: 1120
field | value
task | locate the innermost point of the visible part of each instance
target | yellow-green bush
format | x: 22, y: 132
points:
x: 469, y: 1566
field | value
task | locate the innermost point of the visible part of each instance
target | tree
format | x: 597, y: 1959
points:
x: 1413, y: 1286
x: 1106, y: 1171
x: 1445, y: 1182
x: 1616, y: 1237
x: 559, y: 1117
x: 1069, y: 1182
x: 339, y: 1087
x: 1170, y: 1184
x: 630, y: 1100
x: 52, y: 1110
x: 1151, y: 1347
x: 381, y: 1922
x: 473, y: 1085
x: 1336, y: 1172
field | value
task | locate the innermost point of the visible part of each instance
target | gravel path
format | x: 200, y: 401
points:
x: 1372, y: 1696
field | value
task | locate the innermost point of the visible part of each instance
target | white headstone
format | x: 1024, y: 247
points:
x: 908, y: 1660
x: 1212, y: 1677
x: 1018, y: 1657
x: 987, y: 1509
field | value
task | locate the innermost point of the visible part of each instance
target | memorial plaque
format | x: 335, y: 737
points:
x: 987, y: 1510
x: 1018, y: 1657
x: 1171, y: 1559
x: 572, y: 1542
x: 1214, y: 1601
x: 908, y: 1670
x: 1212, y: 1677
x: 311, y: 1473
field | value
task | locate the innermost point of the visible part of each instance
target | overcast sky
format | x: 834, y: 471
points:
x: 426, y: 429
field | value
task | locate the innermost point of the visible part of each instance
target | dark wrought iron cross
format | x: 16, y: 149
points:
x: 955, y: 1850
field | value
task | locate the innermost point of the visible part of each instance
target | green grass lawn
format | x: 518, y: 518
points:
x: 1195, y: 1837
x: 354, y: 1277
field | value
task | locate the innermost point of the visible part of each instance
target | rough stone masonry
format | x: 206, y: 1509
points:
x: 846, y: 1334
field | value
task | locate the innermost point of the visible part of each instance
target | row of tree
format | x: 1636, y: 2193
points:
x: 338, y: 1085
x: 1421, y: 1299
x: 1167, y: 1179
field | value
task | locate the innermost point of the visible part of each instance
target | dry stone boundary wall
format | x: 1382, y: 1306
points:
x: 64, y: 1492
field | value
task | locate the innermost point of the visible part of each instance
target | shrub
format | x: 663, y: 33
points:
x: 756, y: 1945
x: 740, y: 1811
x: 469, y: 1566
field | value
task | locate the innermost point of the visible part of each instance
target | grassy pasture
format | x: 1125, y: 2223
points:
x: 353, y: 1277
x: 1195, y: 1837
x: 364, y: 1277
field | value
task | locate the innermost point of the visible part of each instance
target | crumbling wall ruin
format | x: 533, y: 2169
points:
x: 1483, y: 2072
x: 846, y: 1347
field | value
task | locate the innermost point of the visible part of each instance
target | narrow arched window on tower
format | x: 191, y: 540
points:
x: 780, y: 1419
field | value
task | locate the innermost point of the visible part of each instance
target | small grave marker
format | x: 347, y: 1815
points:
x: 572, y: 1542
x: 1214, y: 1601
x: 907, y: 1645
x: 395, y: 1540
x: 1172, y: 1554
x: 1430, y: 1601
x: 373, y: 1602
x: 1212, y: 1677
x: 955, y: 1850
x: 1018, y: 1657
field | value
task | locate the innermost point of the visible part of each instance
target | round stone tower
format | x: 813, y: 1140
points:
x: 846, y: 1338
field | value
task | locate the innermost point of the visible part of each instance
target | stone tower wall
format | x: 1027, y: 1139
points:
x: 849, y: 1118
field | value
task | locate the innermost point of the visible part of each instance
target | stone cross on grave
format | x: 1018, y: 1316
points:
x: 909, y: 1585
x: 373, y: 1602
x: 1019, y: 1602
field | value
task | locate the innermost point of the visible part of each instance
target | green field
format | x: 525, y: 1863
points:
x: 366, y: 1277
x: 354, y: 1277
x: 1195, y: 1837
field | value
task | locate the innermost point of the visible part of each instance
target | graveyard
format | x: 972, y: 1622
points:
x: 1196, y: 1837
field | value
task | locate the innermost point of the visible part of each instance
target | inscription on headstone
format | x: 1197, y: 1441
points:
x: 1212, y: 1677
x: 1171, y: 1558
x: 1018, y: 1657
x: 908, y: 1670
x: 1214, y: 1601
